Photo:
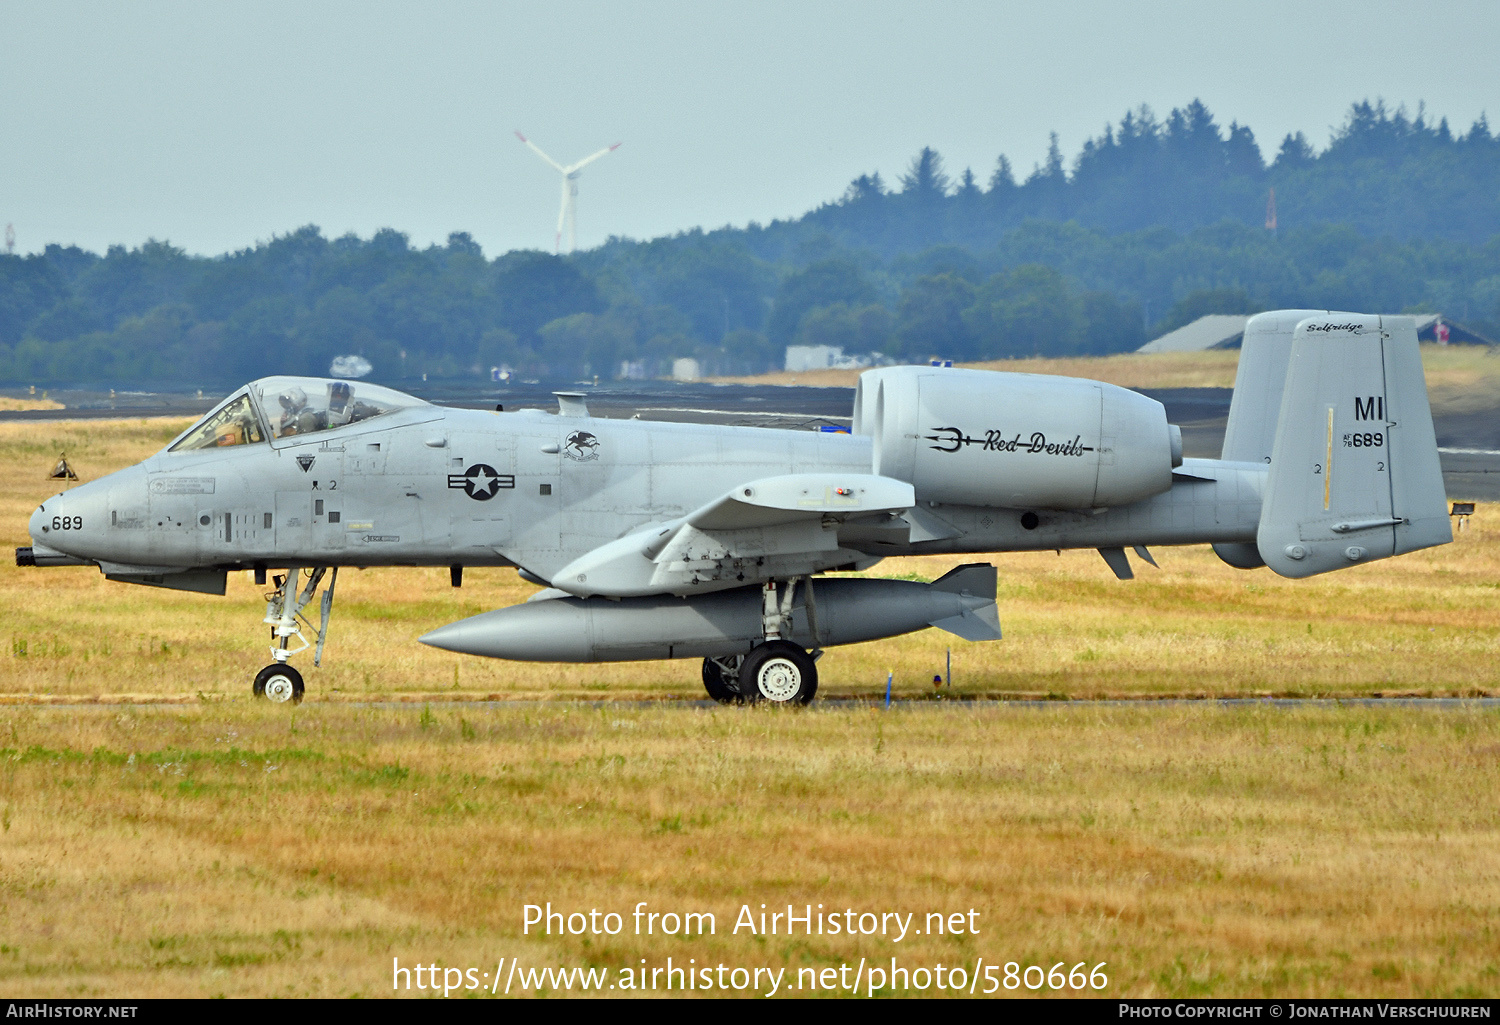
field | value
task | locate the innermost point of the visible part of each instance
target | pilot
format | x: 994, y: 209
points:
x: 340, y: 404
x: 293, y: 407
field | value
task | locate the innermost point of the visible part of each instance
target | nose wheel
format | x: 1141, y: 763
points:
x: 279, y: 684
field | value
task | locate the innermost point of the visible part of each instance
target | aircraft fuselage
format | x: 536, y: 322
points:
x: 434, y: 486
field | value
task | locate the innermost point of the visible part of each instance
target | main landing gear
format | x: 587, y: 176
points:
x: 775, y: 670
x: 279, y: 682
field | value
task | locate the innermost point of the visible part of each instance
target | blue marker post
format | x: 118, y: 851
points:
x: 888, y: 675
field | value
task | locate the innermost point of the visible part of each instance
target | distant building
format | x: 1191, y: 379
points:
x: 1434, y: 327
x: 811, y: 357
x: 633, y: 370
x: 1215, y: 331
x: 827, y: 357
x: 1226, y: 330
x: 685, y: 369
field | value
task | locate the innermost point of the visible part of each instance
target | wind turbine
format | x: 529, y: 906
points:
x: 568, y: 212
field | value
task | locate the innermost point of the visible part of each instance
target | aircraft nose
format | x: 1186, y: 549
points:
x: 38, y: 518
x: 65, y: 522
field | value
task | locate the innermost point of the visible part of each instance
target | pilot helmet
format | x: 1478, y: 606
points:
x: 292, y: 399
x: 339, y: 394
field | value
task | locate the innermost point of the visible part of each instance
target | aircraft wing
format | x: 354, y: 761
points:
x: 773, y: 528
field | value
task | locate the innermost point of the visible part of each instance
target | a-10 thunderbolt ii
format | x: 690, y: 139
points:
x: 669, y: 540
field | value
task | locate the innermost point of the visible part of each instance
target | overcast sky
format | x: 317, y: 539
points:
x: 214, y: 125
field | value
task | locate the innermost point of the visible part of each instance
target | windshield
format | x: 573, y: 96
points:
x: 306, y: 405
x: 234, y: 423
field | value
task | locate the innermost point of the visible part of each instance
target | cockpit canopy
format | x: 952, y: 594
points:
x: 281, y: 407
x: 233, y: 423
x: 305, y: 405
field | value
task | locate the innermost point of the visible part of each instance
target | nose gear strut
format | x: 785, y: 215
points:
x: 284, y: 607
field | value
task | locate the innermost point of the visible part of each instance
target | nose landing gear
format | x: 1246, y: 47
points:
x: 279, y: 682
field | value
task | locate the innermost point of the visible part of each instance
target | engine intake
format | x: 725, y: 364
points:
x: 1018, y: 441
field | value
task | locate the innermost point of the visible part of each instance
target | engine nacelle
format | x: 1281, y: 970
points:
x: 1017, y: 441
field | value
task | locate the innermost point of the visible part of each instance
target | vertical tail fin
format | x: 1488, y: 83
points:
x: 1258, y: 384
x: 1354, y: 465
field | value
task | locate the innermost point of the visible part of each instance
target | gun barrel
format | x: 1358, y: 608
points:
x: 37, y: 555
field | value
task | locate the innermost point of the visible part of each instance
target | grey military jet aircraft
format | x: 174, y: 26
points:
x: 666, y: 540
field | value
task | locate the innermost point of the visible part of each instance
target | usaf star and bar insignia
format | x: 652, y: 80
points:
x: 480, y: 482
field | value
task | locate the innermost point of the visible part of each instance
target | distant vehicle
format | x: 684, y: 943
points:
x: 669, y: 540
x: 350, y: 366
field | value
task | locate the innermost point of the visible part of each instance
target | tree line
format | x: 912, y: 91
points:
x: 1384, y: 173
x: 1157, y: 222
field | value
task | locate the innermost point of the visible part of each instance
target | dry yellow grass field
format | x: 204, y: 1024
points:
x: 221, y: 846
x: 1198, y: 850
x: 10, y: 403
x: 1129, y: 370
